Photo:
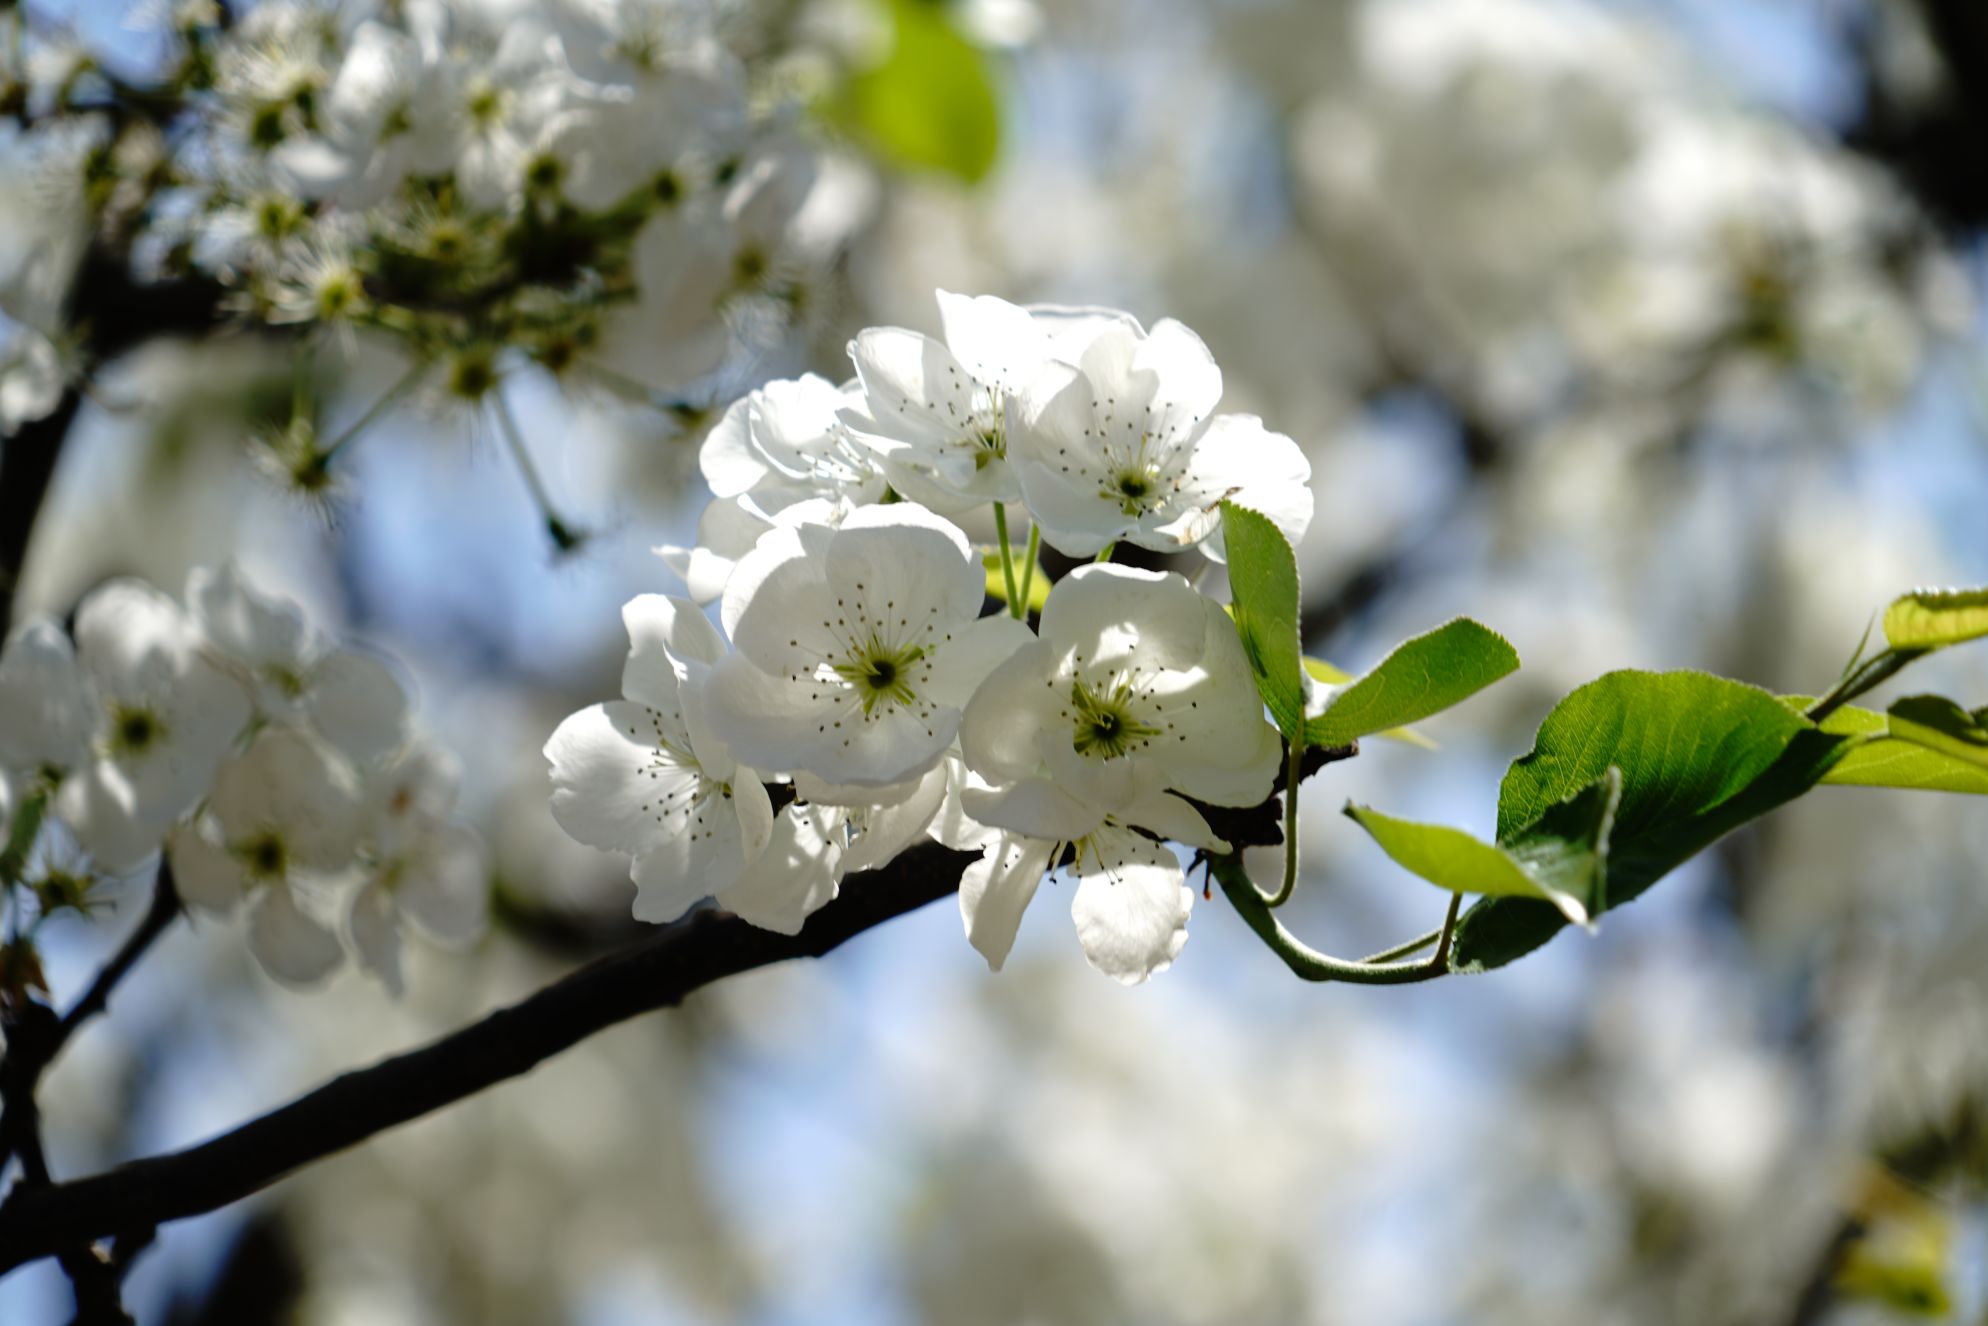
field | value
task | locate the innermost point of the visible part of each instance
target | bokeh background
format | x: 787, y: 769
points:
x: 1646, y: 331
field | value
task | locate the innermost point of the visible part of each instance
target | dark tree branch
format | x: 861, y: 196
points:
x: 27, y: 463
x: 33, y: 1045
x: 127, y: 1201
x: 111, y: 313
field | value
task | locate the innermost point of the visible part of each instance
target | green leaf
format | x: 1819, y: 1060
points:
x: 1322, y: 671
x: 1699, y: 755
x: 1561, y: 861
x: 1938, y: 724
x: 1930, y: 618
x: 997, y: 584
x: 931, y: 104
x: 1875, y: 758
x: 1423, y: 676
x: 1263, y: 581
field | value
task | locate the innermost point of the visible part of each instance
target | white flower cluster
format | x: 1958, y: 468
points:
x: 862, y: 682
x: 591, y: 182
x: 269, y: 764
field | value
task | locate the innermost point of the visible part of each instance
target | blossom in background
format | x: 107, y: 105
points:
x: 167, y: 715
x: 47, y: 710
x: 294, y: 674
x: 856, y: 647
x: 421, y: 867
x: 647, y: 776
x: 283, y: 815
x: 272, y: 766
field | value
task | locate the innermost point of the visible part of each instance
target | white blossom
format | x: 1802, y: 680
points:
x: 1137, y: 695
x: 856, y: 647
x: 1123, y: 444
x: 423, y: 869
x: 48, y: 713
x: 646, y: 776
x: 787, y: 443
x: 166, y: 717
x: 940, y: 410
x: 293, y: 672
x: 282, y: 814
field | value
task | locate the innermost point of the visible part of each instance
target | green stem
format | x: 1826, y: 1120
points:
x: 1308, y: 963
x: 564, y: 537
x: 1872, y: 674
x: 628, y: 387
x: 300, y: 384
x: 1015, y: 604
x: 1402, y: 950
x: 1293, y: 771
x: 402, y: 385
x: 21, y: 838
x: 1104, y: 553
x: 1028, y: 567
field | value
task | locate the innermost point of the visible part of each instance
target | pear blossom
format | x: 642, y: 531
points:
x: 282, y: 814
x: 1136, y: 697
x: 646, y: 775
x: 352, y: 698
x: 786, y: 443
x: 1123, y: 444
x: 32, y: 376
x: 166, y: 717
x: 659, y: 140
x: 48, y: 712
x: 424, y: 870
x: 700, y: 272
x: 940, y: 409
x: 857, y: 647
x: 829, y: 833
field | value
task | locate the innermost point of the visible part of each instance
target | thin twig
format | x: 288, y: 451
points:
x: 163, y: 911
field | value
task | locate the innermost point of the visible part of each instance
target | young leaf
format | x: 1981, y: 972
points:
x: 931, y: 104
x: 1930, y: 618
x: 1562, y: 860
x: 1423, y: 676
x: 1321, y: 671
x: 1263, y: 581
x: 1938, y: 724
x: 1699, y: 755
x: 1877, y: 759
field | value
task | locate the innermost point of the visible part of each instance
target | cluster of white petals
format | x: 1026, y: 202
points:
x: 874, y: 694
x: 271, y: 766
x: 594, y: 185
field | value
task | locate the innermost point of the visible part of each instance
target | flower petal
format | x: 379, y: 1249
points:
x: 1007, y: 716
x: 358, y: 704
x: 371, y: 925
x: 1131, y: 905
x: 292, y: 947
x: 664, y: 633
x: 1034, y: 806
x: 47, y: 709
x: 205, y: 874
x: 995, y: 890
x: 448, y: 898
x: 974, y: 653
x: 797, y: 874
x: 613, y: 785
